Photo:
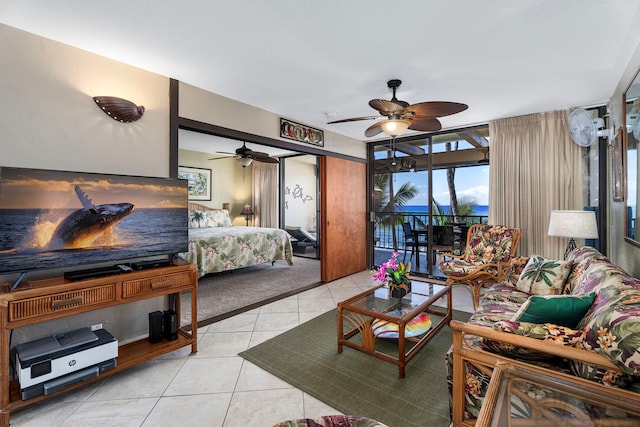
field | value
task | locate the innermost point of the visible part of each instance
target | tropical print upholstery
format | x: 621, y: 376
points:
x: 486, y: 244
x: 490, y: 244
x: 332, y: 421
x: 485, y: 259
x: 611, y: 326
x: 516, y: 266
x: 217, y: 249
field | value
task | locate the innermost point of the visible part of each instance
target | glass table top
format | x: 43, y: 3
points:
x: 530, y: 396
x: 380, y: 300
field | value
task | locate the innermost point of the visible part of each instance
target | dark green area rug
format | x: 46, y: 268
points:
x: 358, y: 384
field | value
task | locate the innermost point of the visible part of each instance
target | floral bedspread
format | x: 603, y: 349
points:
x: 217, y: 249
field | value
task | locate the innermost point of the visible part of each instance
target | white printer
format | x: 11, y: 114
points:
x: 49, y: 364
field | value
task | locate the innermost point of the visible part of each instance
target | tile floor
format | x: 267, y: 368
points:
x: 214, y: 387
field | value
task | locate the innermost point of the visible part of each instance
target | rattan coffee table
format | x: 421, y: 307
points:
x: 375, y: 314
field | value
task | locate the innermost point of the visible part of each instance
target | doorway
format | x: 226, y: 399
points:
x: 300, y: 204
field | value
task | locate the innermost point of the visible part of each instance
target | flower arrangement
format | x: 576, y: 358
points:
x: 393, y: 273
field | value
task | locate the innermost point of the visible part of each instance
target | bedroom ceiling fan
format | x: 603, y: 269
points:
x: 246, y: 156
x: 400, y: 115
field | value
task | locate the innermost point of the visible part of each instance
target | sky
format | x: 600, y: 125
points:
x: 470, y: 181
x: 45, y: 189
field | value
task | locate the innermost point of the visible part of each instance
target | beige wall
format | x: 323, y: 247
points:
x: 229, y: 182
x: 49, y: 120
x: 621, y: 252
x: 211, y: 108
x: 301, y: 192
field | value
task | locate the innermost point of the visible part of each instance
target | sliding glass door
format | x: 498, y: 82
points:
x: 425, y: 193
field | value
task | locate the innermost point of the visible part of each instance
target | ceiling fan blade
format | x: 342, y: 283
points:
x: 432, y: 109
x: 425, y: 125
x: 386, y: 107
x: 263, y: 159
x: 256, y: 154
x: 354, y: 119
x: 230, y: 156
x: 373, y: 130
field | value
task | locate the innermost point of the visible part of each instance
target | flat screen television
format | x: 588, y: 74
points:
x: 59, y: 219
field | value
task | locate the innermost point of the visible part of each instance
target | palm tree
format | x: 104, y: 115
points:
x: 451, y: 174
x: 437, y: 212
x: 466, y: 206
x: 383, y: 203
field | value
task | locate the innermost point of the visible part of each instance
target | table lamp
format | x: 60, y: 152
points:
x: 247, y: 212
x: 573, y: 224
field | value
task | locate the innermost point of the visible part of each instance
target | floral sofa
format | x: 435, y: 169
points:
x: 578, y: 317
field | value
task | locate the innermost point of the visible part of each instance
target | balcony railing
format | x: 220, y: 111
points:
x: 384, y: 228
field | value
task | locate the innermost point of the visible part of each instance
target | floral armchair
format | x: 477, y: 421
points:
x: 485, y: 259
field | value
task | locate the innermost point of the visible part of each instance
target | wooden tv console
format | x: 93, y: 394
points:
x: 43, y: 300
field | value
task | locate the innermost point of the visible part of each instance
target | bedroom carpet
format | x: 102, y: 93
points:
x: 355, y: 383
x: 226, y: 294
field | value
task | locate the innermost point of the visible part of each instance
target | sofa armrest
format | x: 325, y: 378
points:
x: 463, y: 354
x: 445, y: 256
x: 566, y: 352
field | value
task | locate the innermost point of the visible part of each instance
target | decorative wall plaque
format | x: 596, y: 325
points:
x: 301, y: 133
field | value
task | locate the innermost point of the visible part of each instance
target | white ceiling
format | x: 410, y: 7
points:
x: 315, y: 61
x: 222, y: 147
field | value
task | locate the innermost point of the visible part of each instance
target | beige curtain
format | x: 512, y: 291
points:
x: 265, y: 194
x: 535, y: 168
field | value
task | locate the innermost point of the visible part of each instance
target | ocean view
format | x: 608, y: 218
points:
x: 482, y: 210
x: 384, y: 235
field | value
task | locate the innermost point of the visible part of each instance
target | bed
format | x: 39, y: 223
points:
x: 216, y: 245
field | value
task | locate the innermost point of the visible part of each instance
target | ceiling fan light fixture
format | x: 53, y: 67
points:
x: 245, y: 161
x: 395, y: 127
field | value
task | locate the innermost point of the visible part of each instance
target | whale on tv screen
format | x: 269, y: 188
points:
x: 59, y: 219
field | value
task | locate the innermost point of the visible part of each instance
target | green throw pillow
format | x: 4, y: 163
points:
x: 563, y: 310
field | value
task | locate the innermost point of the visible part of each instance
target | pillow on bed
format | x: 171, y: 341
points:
x: 217, y: 218
x: 196, y: 219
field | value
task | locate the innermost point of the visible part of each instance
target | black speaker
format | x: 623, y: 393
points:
x: 155, y: 326
x: 170, y: 328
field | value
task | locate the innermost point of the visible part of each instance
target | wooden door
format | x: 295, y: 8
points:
x: 344, y: 224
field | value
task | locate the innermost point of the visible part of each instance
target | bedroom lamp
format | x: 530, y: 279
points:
x: 573, y: 224
x: 247, y: 212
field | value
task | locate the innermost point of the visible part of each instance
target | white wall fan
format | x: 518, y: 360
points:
x: 585, y: 129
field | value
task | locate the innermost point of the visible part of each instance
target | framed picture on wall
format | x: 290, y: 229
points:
x: 617, y: 166
x: 199, y: 182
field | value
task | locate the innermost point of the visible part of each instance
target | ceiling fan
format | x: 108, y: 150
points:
x: 402, y: 116
x: 246, y: 156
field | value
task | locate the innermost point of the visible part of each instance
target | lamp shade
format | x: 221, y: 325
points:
x: 395, y: 127
x: 247, y: 210
x: 245, y: 161
x: 574, y: 224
